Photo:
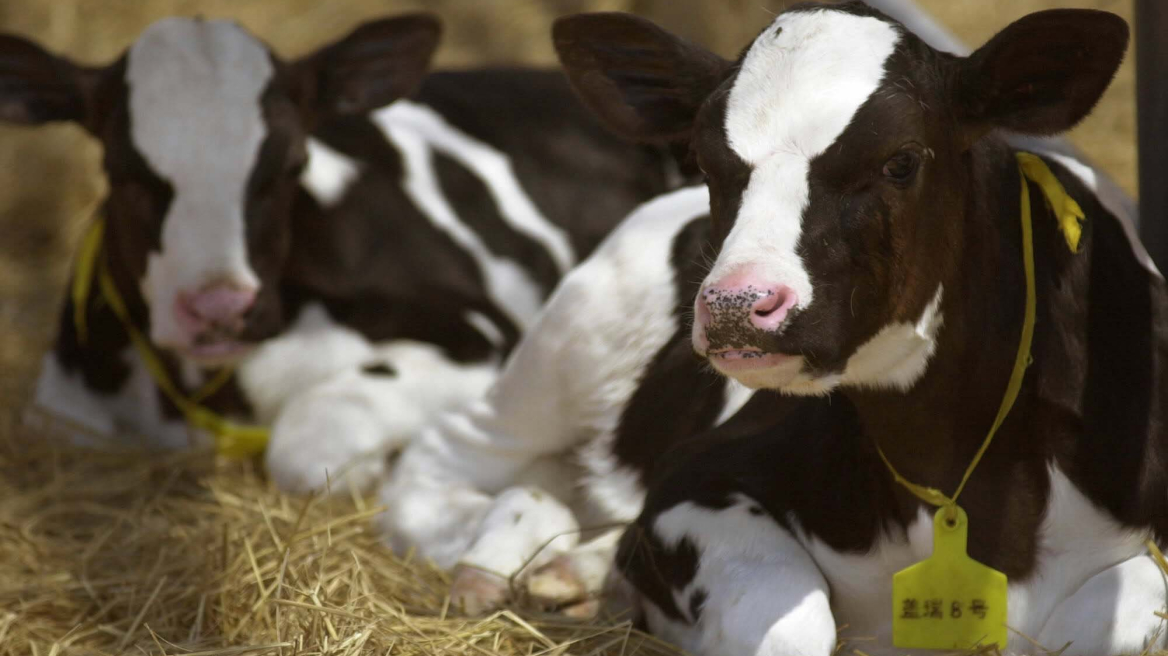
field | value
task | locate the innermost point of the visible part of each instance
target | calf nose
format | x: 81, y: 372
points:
x: 221, y: 306
x: 763, y: 305
x: 771, y: 309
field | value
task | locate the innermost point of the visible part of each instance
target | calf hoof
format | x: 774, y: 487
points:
x: 477, y: 592
x: 584, y: 610
x: 556, y: 584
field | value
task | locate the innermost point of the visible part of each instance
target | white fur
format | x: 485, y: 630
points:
x: 1112, y: 612
x: 328, y: 174
x: 132, y: 415
x: 615, y: 488
x: 510, y: 286
x: 764, y: 594
x: 65, y: 395
x: 493, y: 167
x: 329, y: 417
x: 795, y: 93
x: 486, y: 327
x: 353, y: 421
x: 862, y: 583
x: 194, y: 97
x: 430, y: 516
x: 1113, y: 205
x: 438, y: 516
x: 737, y: 395
x: 524, y: 527
x: 311, y: 350
x: 897, y: 356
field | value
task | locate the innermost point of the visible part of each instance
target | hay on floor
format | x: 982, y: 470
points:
x: 128, y: 552
x: 136, y: 553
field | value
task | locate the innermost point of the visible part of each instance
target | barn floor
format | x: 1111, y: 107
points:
x: 106, y: 553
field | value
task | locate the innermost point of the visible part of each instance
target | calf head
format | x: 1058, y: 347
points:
x: 838, y: 153
x: 204, y: 130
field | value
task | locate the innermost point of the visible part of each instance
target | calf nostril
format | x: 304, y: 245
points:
x: 771, y: 311
x: 767, y: 305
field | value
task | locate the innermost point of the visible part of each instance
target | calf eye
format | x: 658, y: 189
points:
x: 902, y: 166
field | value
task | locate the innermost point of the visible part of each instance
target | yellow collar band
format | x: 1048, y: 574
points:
x: 231, y: 439
x: 1070, y: 217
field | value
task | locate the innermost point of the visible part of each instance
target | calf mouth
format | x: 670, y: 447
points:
x: 747, y: 358
x: 754, y: 367
x: 216, y: 348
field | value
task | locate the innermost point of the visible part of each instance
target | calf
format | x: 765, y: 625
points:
x: 871, y: 261
x: 363, y: 242
x: 865, y: 214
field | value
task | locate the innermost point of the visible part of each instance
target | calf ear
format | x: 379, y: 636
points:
x: 374, y: 65
x: 643, y: 82
x: 38, y: 87
x: 1043, y: 73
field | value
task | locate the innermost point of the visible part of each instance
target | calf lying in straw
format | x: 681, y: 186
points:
x: 360, y: 242
x: 933, y: 318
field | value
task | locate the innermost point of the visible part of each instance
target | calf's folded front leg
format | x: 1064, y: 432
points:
x: 727, y: 581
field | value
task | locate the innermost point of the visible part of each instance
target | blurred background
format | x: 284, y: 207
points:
x: 50, y: 176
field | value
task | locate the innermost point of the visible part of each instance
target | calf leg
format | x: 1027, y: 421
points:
x: 728, y: 581
x: 577, y: 575
x: 339, y: 405
x: 351, y: 424
x: 1114, y: 612
x: 440, y: 518
x: 524, y: 528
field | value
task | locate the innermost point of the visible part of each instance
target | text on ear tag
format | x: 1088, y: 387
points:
x: 949, y: 600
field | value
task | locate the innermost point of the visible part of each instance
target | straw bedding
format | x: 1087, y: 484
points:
x: 138, y: 553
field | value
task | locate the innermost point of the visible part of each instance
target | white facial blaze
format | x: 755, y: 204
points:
x: 798, y: 88
x: 195, y: 116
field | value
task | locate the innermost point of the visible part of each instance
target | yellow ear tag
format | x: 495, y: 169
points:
x: 949, y: 600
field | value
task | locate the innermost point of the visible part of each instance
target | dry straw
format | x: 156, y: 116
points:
x: 134, y: 553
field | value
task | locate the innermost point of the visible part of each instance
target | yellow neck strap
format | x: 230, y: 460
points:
x: 231, y: 439
x: 1069, y: 215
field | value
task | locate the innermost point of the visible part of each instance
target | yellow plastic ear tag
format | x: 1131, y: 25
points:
x: 949, y: 600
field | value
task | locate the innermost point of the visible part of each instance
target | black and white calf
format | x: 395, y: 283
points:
x: 595, y: 393
x: 362, y: 240
x: 869, y: 268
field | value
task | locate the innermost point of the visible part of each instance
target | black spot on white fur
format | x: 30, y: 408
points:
x: 379, y: 369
